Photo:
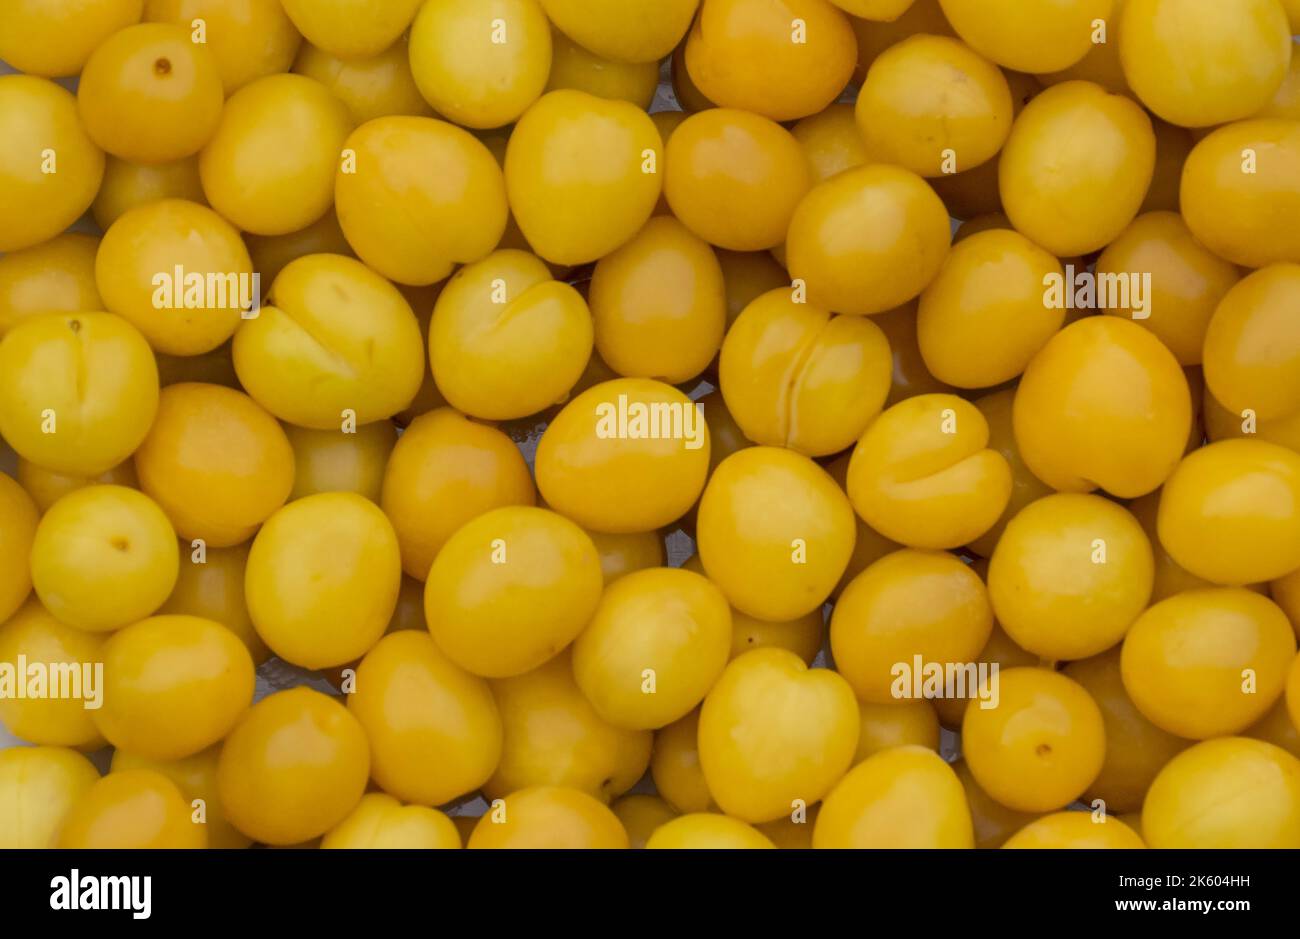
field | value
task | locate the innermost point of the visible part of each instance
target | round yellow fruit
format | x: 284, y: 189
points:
x: 775, y: 532
x: 322, y: 579
x: 1070, y: 575
x: 50, y: 169
x: 510, y: 589
x: 409, y: 224
x: 906, y: 797
x: 1225, y: 793
x: 654, y: 647
x: 775, y: 735
x: 104, y: 556
x: 1208, y: 663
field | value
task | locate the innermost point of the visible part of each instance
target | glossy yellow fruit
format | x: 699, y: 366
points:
x: 1101, y: 64
x: 775, y: 736
x: 725, y: 435
x: 1028, y: 35
x: 548, y: 817
x: 1285, y: 102
x: 626, y: 456
x: 999, y: 650
x: 1231, y: 512
x: 1041, y: 746
x: 641, y: 815
x: 337, y: 344
x: 78, y: 392
x: 216, y: 462
x: 136, y: 808
x: 1252, y: 347
x: 1136, y: 749
x: 911, y: 376
x: 1167, y: 49
x: 57, y: 276
x: 47, y: 486
x: 351, y: 29
x: 179, y: 273
x: 128, y: 186
x: 783, y: 59
x: 104, y: 556
x: 935, y: 106
x: 381, y: 822
x: 173, y: 685
x: 294, y: 767
x: 434, y: 729
x: 659, y: 304
x: 994, y: 823
x: 1171, y: 577
x: 675, y: 766
x: 376, y: 86
x: 1241, y: 192
x: 1226, y: 793
x: 624, y: 30
x: 575, y: 67
x: 897, y: 724
x: 39, y: 786
x: 338, y: 461
x: 775, y: 533
x: 554, y: 737
x: 270, y: 167
x: 688, y: 96
x: 997, y: 409
x: 803, y: 636
x: 922, y: 474
x: 481, y: 64
x: 1187, y: 281
x: 735, y: 178
x: 211, y: 586
x: 1208, y: 663
x: 1075, y: 830
x: 868, y: 240
x: 709, y: 832
x: 1070, y: 575
x: 54, y: 38
x: 196, y: 778
x: 150, y: 94
x: 18, y: 519
x: 908, y: 605
x: 875, y: 36
x: 322, y: 579
x: 982, y: 319
x: 50, y: 169
x: 1077, y: 167
x: 47, y: 643
x: 273, y: 253
x: 654, y: 647
x: 621, y: 555
x: 582, y: 174
x: 510, y: 589
x: 905, y: 797
x: 411, y: 225
x: 507, y: 340
x: 444, y: 471
x: 248, y: 39
x: 796, y: 376
x: 831, y: 141
x: 1104, y: 405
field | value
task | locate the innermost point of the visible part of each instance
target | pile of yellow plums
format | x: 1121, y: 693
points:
x: 650, y: 423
